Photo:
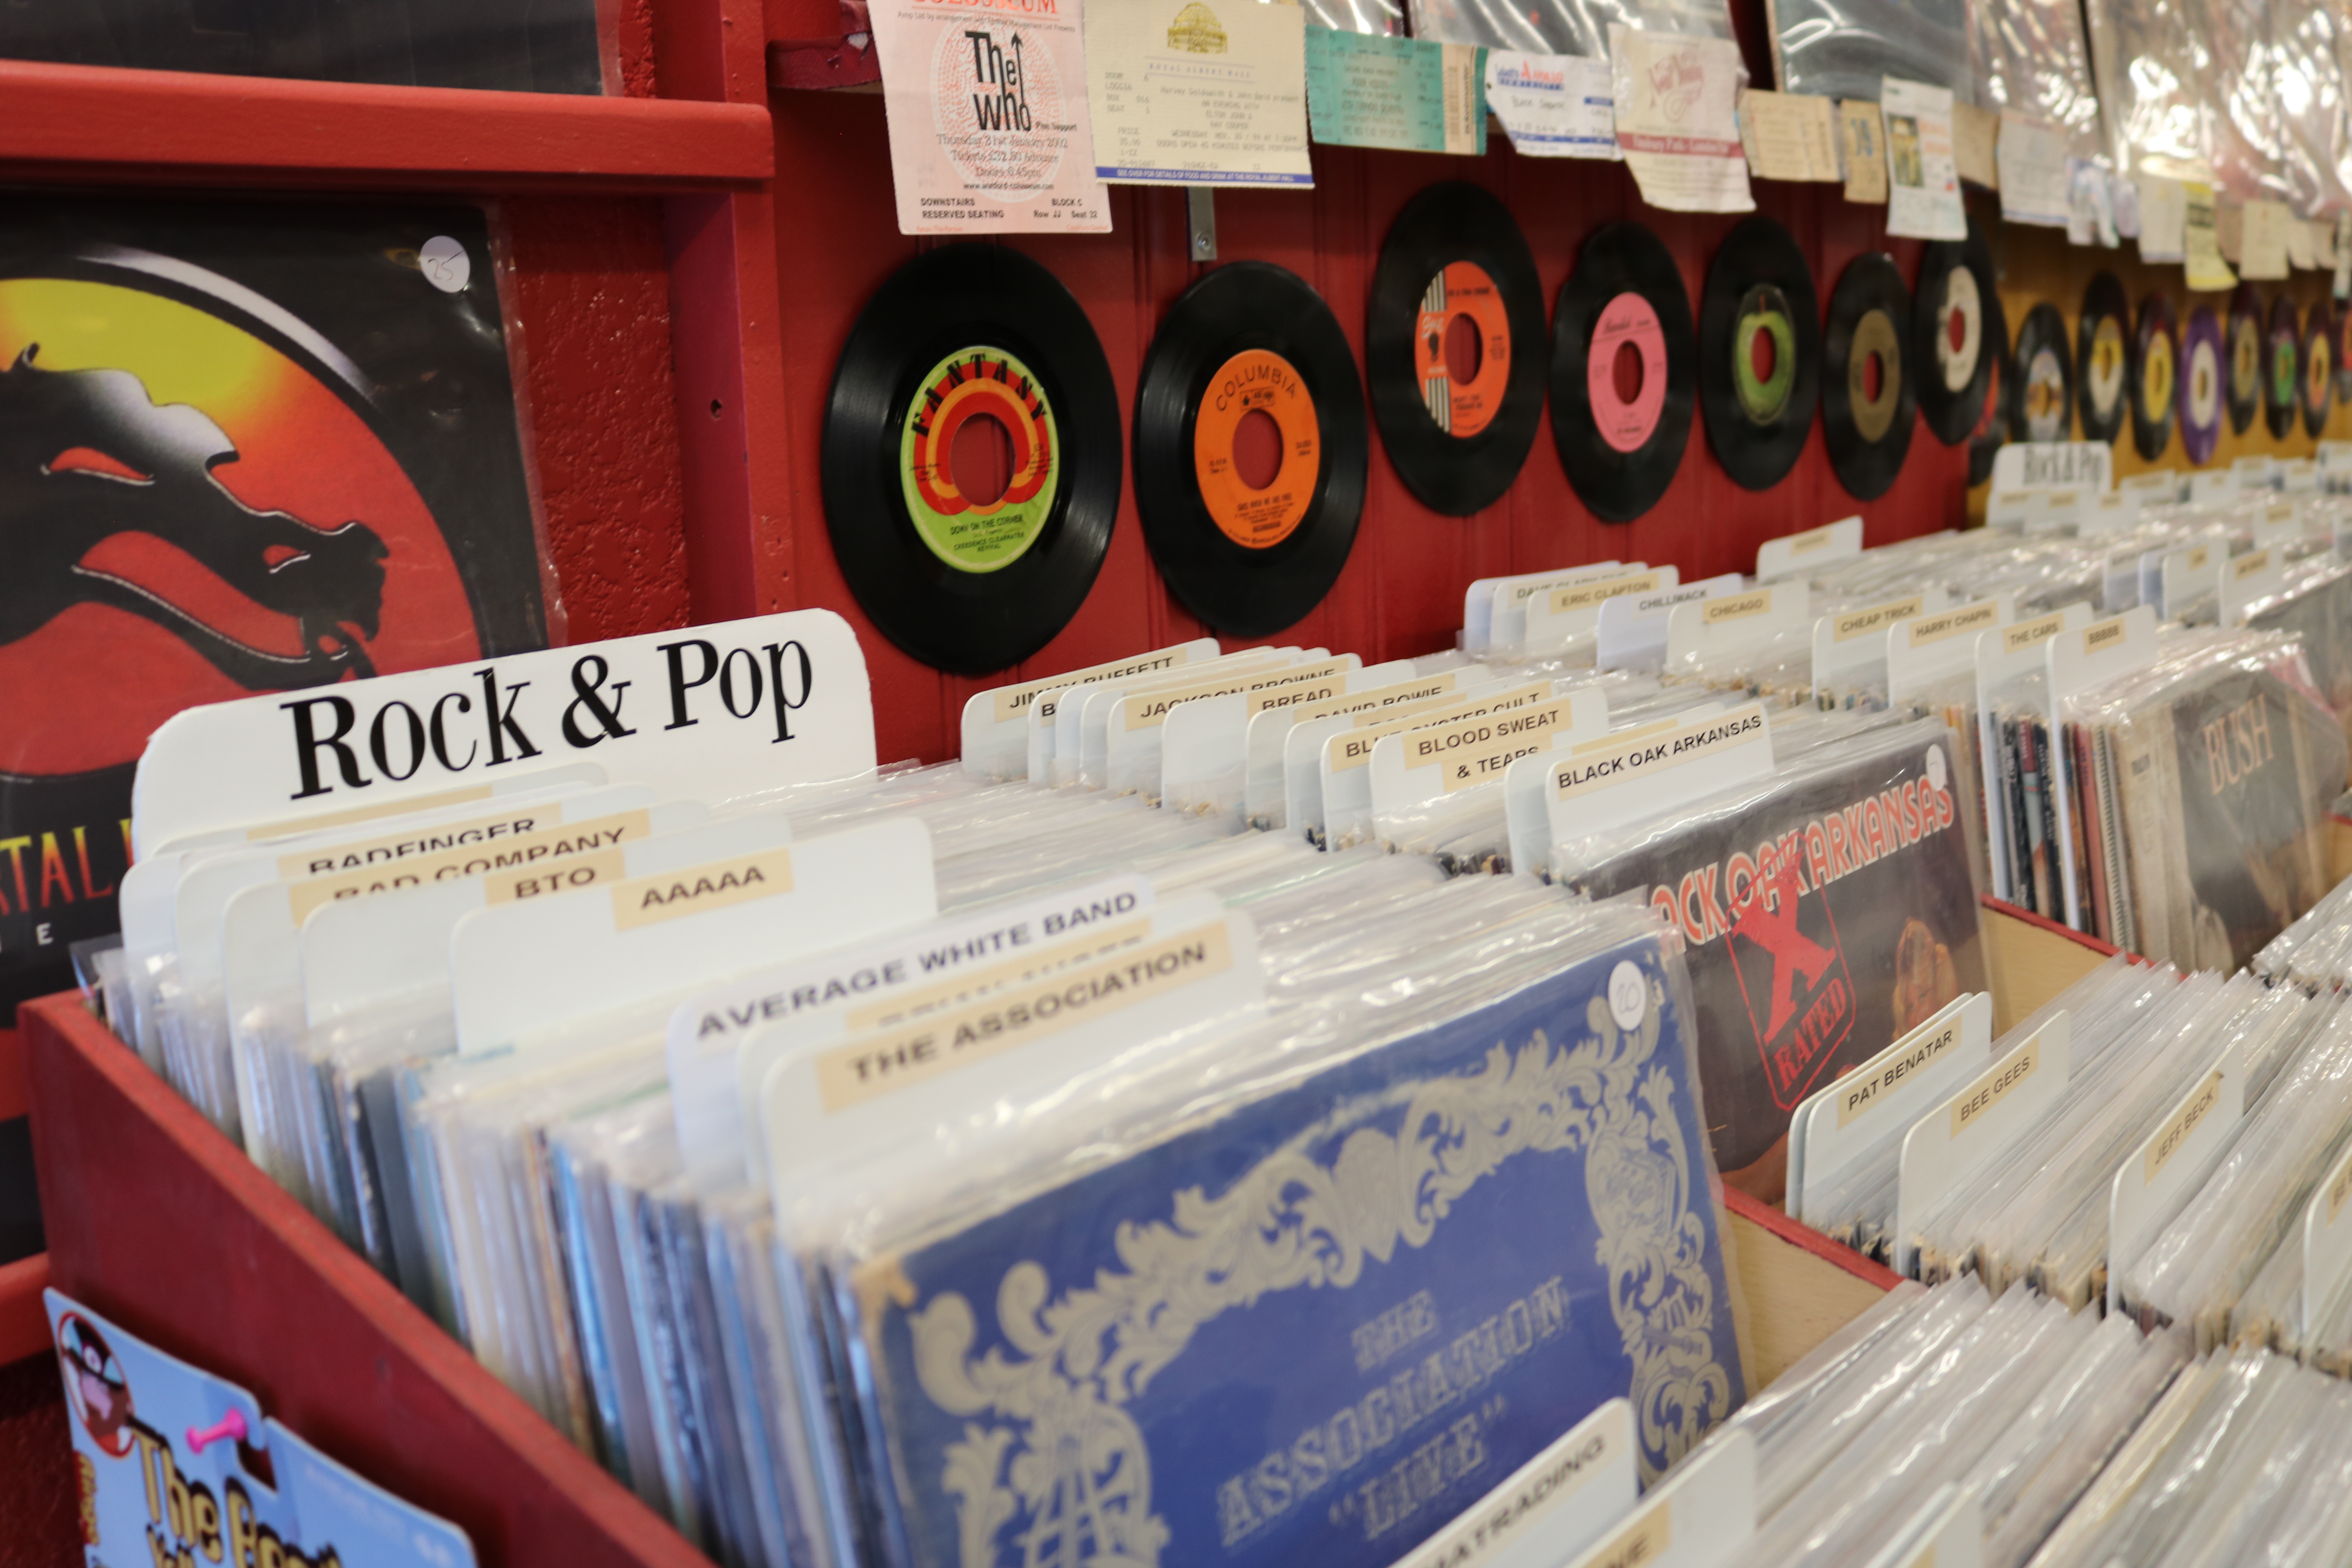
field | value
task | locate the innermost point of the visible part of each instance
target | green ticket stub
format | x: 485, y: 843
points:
x: 1402, y: 93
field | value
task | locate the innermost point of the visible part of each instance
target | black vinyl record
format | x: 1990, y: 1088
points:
x: 2244, y: 352
x: 2154, y: 371
x: 2283, y: 361
x: 2042, y: 379
x: 1759, y: 354
x: 2319, y: 366
x: 2103, y: 358
x: 1622, y: 430
x: 1455, y: 265
x: 1951, y: 352
x: 1247, y: 340
x: 1866, y: 414
x: 1992, y: 431
x: 963, y: 332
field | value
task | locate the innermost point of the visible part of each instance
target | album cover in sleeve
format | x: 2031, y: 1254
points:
x: 1832, y: 910
x: 2317, y: 612
x: 1315, y: 1328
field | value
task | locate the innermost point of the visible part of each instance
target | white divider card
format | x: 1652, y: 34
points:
x: 1526, y: 794
x: 835, y: 1093
x: 921, y: 968
x: 1554, y: 1506
x: 2256, y: 473
x: 2298, y: 476
x: 2050, y: 512
x: 1507, y: 618
x: 2078, y: 661
x: 1264, y: 797
x: 2007, y: 513
x: 1850, y: 647
x: 1630, y: 632
x: 1569, y: 610
x: 2248, y: 579
x: 1889, y: 1092
x: 1946, y: 1532
x: 2046, y: 464
x: 1330, y: 780
x: 2155, y: 486
x: 712, y: 712
x: 2212, y: 487
x: 2165, y: 1172
x: 1138, y: 724
x: 1205, y: 743
x: 2002, y: 656
x: 2110, y: 513
x: 2327, y: 1243
x: 1728, y: 621
x: 1082, y: 727
x: 1049, y: 727
x: 1795, y: 553
x: 1417, y: 766
x: 995, y: 731
x: 1622, y: 778
x: 1479, y: 599
x: 1929, y: 649
x: 2283, y: 522
x: 2333, y: 454
x: 1963, y: 1133
x: 2187, y: 575
x: 533, y: 962
x: 1702, y: 1515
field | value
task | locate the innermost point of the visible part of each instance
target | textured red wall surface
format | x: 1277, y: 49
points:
x: 1402, y: 591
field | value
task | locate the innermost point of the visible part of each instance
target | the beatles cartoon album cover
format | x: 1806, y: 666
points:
x: 1833, y: 910
x: 244, y: 448
x: 1314, y: 1328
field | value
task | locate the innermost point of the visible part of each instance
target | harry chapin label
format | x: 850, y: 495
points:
x: 1924, y: 630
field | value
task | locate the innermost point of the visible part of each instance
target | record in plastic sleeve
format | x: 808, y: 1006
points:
x: 2200, y: 384
x: 963, y: 336
x: 2044, y: 378
x: 1949, y: 344
x: 1455, y: 266
x: 1250, y: 345
x: 1759, y: 344
x: 2319, y: 367
x: 2283, y: 385
x: 2153, y: 360
x: 2103, y: 358
x: 1623, y: 372
x: 2245, y: 357
x: 1868, y: 402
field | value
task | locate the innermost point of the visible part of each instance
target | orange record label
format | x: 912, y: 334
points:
x: 1257, y: 380
x: 1462, y: 408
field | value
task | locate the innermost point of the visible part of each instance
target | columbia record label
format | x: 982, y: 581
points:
x: 2245, y: 352
x: 2043, y: 408
x: 972, y: 458
x: 1454, y: 348
x: 1250, y: 448
x: 1950, y: 348
x: 2102, y: 358
x: 2283, y: 361
x: 2319, y: 367
x: 1869, y: 402
x: 2200, y: 384
x: 1623, y: 372
x: 2153, y: 378
x: 1758, y: 354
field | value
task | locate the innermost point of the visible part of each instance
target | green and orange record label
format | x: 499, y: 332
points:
x: 968, y: 534
x: 1257, y: 380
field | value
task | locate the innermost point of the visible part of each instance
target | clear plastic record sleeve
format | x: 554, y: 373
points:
x: 1562, y: 26
x: 1845, y: 49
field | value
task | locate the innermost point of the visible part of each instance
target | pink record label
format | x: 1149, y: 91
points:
x: 1627, y: 319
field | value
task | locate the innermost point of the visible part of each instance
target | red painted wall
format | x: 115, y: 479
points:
x: 1401, y: 592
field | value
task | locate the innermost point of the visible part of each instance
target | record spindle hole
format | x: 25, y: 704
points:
x: 1627, y: 373
x: 981, y: 462
x: 1763, y: 355
x: 1257, y: 450
x: 1465, y: 350
x: 1873, y: 377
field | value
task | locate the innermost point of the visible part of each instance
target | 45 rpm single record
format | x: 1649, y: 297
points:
x: 1456, y: 275
x: 1250, y: 347
x: 2154, y: 362
x: 2001, y: 408
x: 2319, y: 367
x: 1949, y: 345
x: 2339, y: 339
x: 1868, y: 402
x: 2245, y: 353
x: 1623, y: 372
x: 1759, y: 354
x: 966, y: 333
x: 2283, y: 387
x: 2044, y: 378
x: 2102, y: 358
x: 2200, y: 384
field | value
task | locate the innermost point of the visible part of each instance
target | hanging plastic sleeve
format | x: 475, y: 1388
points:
x: 1798, y: 553
x: 2078, y: 661
x: 2172, y: 1163
x: 1836, y: 1125
x: 1970, y: 1129
x: 1556, y: 1504
x: 1702, y: 1515
x: 995, y: 731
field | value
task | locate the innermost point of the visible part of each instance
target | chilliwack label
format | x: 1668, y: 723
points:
x: 1590, y: 770
x: 963, y: 988
x: 1980, y: 616
x: 368, y: 813
x: 1344, y: 751
x: 1148, y: 710
x: 326, y: 862
x: 1481, y: 750
x: 718, y: 885
x: 1865, y: 1091
x: 568, y: 875
x: 2025, y: 633
x: 2200, y: 1103
x: 2105, y: 635
x: 1738, y: 606
x: 1877, y: 618
x: 1997, y: 1085
x: 1577, y: 596
x: 865, y: 1070
x: 1012, y: 701
x: 494, y: 855
x: 1641, y: 1542
x: 2250, y: 565
x: 1379, y: 703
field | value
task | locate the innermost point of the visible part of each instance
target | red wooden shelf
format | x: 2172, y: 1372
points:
x: 87, y: 124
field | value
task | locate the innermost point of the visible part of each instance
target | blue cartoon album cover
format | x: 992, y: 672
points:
x: 1315, y: 1330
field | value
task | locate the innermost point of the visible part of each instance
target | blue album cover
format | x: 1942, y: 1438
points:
x: 1313, y: 1331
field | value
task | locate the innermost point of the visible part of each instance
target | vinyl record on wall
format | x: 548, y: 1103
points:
x: 1623, y: 372
x: 1951, y: 351
x: 2103, y: 358
x: 2319, y: 367
x: 2042, y: 408
x: 2244, y: 351
x: 1454, y: 348
x: 1250, y: 448
x: 1759, y: 346
x: 972, y: 458
x: 1869, y: 401
x: 1999, y: 416
x: 2154, y: 359
x: 2283, y: 358
x: 2201, y: 395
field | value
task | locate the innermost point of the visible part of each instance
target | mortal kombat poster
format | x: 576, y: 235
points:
x: 243, y: 448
